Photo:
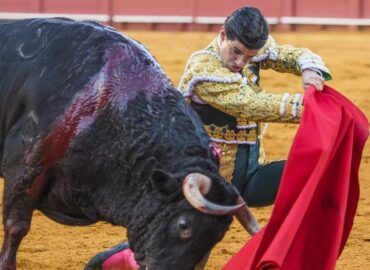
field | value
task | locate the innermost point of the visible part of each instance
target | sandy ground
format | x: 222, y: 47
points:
x: 53, y: 246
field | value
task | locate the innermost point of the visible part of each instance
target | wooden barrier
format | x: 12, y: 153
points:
x: 206, y: 15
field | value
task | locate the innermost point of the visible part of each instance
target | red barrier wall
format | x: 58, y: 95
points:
x: 224, y: 8
x: 365, y: 9
x: 197, y: 14
x: 320, y: 8
x: 19, y: 6
x: 75, y: 6
x: 156, y: 8
x: 55, y: 6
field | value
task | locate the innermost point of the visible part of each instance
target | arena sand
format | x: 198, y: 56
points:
x: 53, y: 246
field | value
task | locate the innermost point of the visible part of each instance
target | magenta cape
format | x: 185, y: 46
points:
x: 317, y: 200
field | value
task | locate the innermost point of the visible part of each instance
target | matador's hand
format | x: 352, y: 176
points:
x: 312, y: 77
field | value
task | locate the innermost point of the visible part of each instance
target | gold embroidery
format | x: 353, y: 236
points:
x: 228, y: 155
x: 286, y: 58
x: 223, y: 133
x: 238, y: 96
x: 231, y: 93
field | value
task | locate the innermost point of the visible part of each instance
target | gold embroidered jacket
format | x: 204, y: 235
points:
x: 207, y: 81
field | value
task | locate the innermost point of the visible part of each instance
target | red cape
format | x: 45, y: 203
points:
x: 319, y: 192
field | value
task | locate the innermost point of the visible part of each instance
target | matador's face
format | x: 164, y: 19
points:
x: 234, y: 55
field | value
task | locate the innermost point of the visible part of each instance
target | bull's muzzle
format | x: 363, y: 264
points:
x: 195, y: 185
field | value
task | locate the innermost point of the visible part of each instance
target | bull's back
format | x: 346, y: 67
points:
x: 51, y: 68
x: 44, y: 64
x: 45, y: 61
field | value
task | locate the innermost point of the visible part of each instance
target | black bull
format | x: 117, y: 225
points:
x: 91, y: 129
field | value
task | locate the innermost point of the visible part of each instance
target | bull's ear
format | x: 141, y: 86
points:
x: 164, y: 182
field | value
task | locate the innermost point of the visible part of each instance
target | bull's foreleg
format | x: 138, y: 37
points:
x: 20, y: 170
x: 18, y: 206
x: 17, y: 220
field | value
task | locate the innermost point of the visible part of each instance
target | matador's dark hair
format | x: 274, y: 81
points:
x: 248, y: 26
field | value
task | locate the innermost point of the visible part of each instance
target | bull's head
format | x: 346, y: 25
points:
x: 193, y: 227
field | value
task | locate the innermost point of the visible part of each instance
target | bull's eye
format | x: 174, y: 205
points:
x: 184, y: 228
x: 183, y: 225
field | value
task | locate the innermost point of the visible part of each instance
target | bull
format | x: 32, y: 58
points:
x: 93, y: 130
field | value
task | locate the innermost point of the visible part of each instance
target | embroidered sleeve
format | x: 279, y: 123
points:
x: 205, y: 80
x: 242, y: 102
x: 204, y: 66
x: 286, y: 58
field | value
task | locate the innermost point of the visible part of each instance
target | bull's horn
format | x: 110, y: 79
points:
x: 246, y: 218
x: 194, y: 186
